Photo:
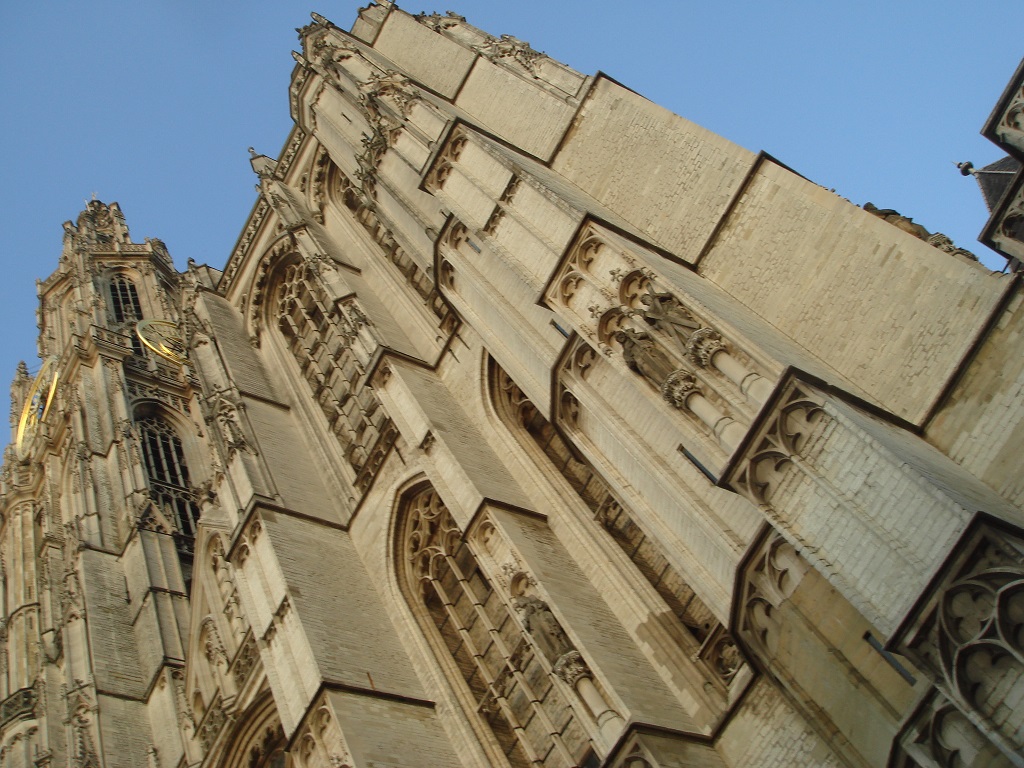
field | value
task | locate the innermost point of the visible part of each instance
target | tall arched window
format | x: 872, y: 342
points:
x: 325, y: 338
x: 124, y: 300
x: 511, y: 686
x: 168, y: 474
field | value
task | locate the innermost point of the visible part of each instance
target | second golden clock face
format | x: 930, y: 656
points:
x: 37, y: 406
x: 164, y: 338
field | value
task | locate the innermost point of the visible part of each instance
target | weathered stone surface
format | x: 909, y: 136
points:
x: 527, y: 424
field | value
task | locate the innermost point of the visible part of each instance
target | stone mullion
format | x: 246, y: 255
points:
x: 311, y: 328
x: 343, y: 422
x: 290, y: 322
x: 509, y: 715
x: 322, y: 382
x: 507, y: 655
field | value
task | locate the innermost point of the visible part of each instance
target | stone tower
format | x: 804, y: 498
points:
x: 527, y: 424
x: 100, y: 505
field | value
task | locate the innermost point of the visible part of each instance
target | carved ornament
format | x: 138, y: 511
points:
x: 509, y: 48
x: 389, y: 84
x: 678, y: 387
x: 703, y: 345
x: 939, y: 734
x: 908, y: 225
x: 439, y: 23
x: 772, y: 576
x: 971, y: 635
x: 571, y: 668
x: 782, y: 439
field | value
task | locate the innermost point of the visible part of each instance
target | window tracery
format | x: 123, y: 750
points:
x: 526, y: 710
x: 126, y: 308
x: 124, y: 300
x: 968, y: 638
x: 167, y: 472
x: 327, y: 341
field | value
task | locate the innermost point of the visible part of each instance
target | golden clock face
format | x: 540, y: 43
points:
x: 164, y: 338
x: 37, y: 406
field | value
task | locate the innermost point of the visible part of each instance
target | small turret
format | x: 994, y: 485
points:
x: 262, y: 166
x: 99, y: 225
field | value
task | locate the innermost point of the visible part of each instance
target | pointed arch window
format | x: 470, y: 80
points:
x: 512, y: 689
x: 124, y: 303
x: 124, y: 300
x: 324, y: 336
x: 167, y: 473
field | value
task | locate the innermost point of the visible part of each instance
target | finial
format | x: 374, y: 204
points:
x: 252, y: 152
x: 966, y: 169
x: 318, y: 18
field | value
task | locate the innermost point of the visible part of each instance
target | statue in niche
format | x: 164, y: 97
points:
x: 667, y: 314
x: 643, y: 355
x: 543, y: 627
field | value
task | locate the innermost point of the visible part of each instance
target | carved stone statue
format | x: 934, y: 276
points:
x: 543, y: 627
x: 665, y: 313
x: 643, y: 355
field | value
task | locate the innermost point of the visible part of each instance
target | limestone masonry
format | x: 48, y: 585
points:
x: 527, y: 424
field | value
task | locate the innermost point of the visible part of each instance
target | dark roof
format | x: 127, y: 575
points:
x: 995, y: 178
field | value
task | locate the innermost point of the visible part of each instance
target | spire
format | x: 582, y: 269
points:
x: 262, y: 166
x: 99, y: 224
x: 993, y: 179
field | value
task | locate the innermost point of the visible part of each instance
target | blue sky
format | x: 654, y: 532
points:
x: 153, y: 104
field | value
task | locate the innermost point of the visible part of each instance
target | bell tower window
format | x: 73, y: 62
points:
x: 168, y: 474
x: 125, y: 300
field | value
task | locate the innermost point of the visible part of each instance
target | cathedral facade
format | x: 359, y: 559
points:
x: 526, y: 424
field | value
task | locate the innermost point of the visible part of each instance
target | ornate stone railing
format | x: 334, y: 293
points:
x: 113, y: 338
x: 149, y: 366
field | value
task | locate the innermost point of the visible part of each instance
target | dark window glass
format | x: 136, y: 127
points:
x: 125, y: 300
